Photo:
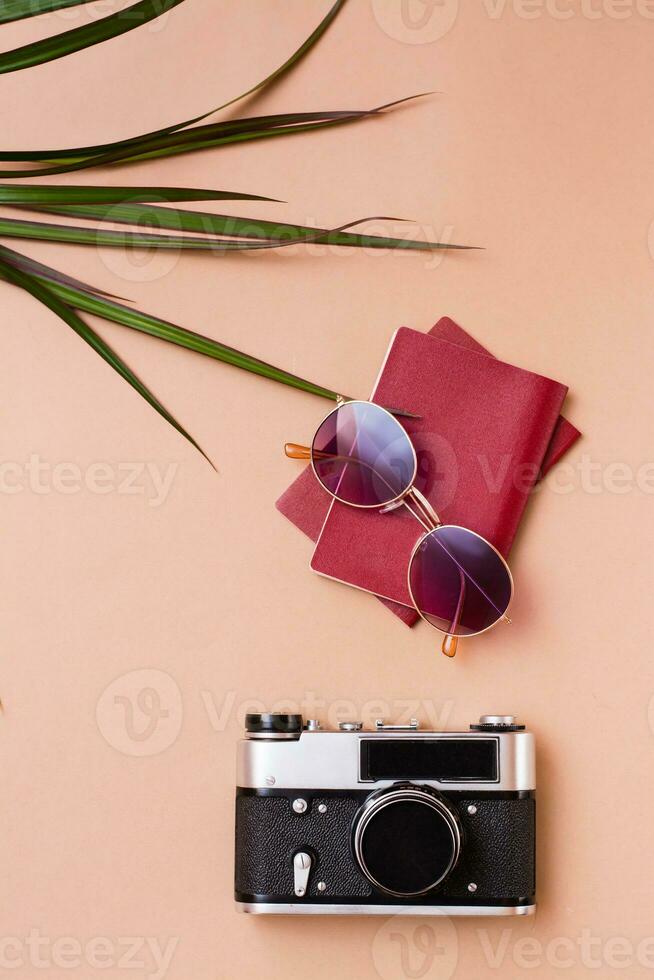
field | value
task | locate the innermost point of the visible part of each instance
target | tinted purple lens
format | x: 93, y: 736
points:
x: 459, y: 582
x: 363, y: 456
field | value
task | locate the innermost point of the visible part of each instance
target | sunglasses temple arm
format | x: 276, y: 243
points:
x: 450, y: 642
x: 294, y: 451
x: 424, y: 513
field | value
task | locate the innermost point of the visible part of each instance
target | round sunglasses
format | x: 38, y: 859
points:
x: 458, y: 582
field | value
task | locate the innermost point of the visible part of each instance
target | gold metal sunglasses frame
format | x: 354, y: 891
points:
x: 419, y: 508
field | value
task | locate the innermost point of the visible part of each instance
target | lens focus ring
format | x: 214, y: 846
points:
x: 407, y: 840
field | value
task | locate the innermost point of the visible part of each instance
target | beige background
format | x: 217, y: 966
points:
x: 117, y: 817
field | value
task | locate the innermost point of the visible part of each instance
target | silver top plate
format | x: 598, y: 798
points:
x: 330, y: 760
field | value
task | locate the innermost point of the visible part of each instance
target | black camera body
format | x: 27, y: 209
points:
x: 392, y: 820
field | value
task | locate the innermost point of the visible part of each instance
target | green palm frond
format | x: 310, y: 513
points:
x: 44, y: 292
x: 130, y: 206
x: 149, y: 214
x: 12, y: 10
x: 90, y: 299
x: 169, y: 144
x: 61, y: 45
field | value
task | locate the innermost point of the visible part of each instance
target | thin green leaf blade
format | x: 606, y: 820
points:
x: 199, y: 138
x: 74, y: 235
x: 47, y: 296
x: 170, y: 332
x: 296, y: 57
x: 11, y: 10
x: 61, y: 45
x: 91, y: 299
x: 94, y: 301
x: 32, y: 267
x: 188, y: 141
x: 44, y: 194
x: 306, y: 46
x: 101, y: 149
x: 235, y: 227
x: 198, y: 133
x: 75, y: 154
x: 223, y: 134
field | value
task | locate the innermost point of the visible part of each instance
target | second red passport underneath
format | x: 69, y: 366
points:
x: 486, y: 429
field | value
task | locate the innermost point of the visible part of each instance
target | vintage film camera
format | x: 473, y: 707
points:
x: 393, y: 820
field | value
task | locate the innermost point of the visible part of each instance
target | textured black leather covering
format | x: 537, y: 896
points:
x: 269, y: 833
x: 498, y: 849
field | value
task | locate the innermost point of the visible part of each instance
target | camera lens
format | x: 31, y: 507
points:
x: 407, y: 840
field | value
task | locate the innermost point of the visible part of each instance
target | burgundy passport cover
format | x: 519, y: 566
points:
x: 486, y: 430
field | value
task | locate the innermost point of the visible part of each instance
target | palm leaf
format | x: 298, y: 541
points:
x: 225, y: 128
x: 129, y: 205
x: 21, y: 9
x: 88, y: 299
x: 101, y: 149
x: 189, y: 140
x: 75, y: 235
x: 45, y: 194
x: 275, y: 75
x: 41, y: 271
x: 61, y: 45
x: 261, y: 234
x: 46, y: 295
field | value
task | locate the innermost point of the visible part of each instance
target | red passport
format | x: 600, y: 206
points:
x: 486, y: 429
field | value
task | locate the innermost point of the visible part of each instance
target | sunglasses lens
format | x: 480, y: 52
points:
x: 459, y: 582
x: 363, y: 456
